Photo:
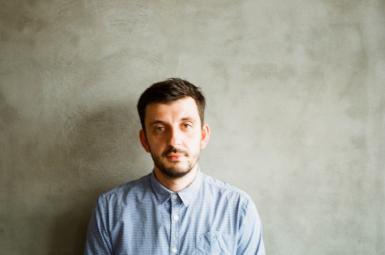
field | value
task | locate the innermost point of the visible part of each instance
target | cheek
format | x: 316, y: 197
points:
x: 154, y: 144
x: 194, y: 142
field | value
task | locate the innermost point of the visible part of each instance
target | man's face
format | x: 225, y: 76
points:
x: 174, y: 136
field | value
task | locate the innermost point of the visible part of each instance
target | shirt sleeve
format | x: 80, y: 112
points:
x: 250, y: 241
x: 98, y: 239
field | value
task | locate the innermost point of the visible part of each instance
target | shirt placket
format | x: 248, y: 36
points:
x: 174, y: 240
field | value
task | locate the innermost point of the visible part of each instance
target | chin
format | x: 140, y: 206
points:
x: 175, y: 172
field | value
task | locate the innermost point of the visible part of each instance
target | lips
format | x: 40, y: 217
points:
x: 174, y: 156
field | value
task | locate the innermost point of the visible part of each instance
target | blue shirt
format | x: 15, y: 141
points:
x: 144, y: 217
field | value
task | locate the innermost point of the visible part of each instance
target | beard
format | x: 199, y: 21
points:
x: 174, y: 170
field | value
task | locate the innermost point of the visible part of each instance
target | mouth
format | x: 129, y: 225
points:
x: 174, y: 156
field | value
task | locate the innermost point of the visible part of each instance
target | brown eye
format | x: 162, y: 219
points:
x: 159, y: 129
x: 187, y: 125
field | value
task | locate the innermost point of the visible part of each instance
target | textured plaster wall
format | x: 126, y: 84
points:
x: 296, y: 103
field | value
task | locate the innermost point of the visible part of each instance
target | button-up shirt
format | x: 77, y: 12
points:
x: 144, y: 217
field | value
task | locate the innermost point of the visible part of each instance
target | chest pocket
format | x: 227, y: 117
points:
x: 212, y: 243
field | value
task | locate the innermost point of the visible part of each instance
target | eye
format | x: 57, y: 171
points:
x: 159, y: 129
x: 187, y: 125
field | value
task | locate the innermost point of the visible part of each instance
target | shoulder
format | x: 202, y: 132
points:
x: 223, y: 190
x: 130, y: 191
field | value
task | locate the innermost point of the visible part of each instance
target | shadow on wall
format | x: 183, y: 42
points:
x: 100, y: 151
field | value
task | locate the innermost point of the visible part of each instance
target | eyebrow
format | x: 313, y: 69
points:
x: 188, y: 119
x: 157, y: 122
x: 164, y: 123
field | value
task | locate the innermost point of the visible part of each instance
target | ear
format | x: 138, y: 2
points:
x: 143, y: 140
x: 205, y: 136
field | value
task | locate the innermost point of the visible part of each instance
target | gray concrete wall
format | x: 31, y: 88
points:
x: 296, y: 103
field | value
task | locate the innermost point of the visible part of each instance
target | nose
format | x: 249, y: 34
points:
x: 175, y: 137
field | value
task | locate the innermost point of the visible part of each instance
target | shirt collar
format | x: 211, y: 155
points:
x: 161, y: 192
x: 187, y: 195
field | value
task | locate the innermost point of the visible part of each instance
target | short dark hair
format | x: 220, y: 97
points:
x: 170, y: 90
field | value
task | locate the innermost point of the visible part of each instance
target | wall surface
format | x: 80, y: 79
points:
x: 296, y: 103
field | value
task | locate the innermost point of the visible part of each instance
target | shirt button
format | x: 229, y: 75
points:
x: 173, y: 250
x: 176, y: 217
x: 173, y: 196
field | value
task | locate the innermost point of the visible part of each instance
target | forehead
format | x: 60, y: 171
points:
x: 172, y: 111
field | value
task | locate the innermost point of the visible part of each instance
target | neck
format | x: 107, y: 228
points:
x: 176, y: 184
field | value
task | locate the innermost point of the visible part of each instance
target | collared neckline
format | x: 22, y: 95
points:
x: 187, y: 195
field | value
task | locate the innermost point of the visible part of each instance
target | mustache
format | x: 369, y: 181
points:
x: 172, y: 149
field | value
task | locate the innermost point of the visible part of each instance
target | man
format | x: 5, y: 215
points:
x: 176, y: 209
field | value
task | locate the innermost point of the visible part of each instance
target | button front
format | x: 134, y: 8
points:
x: 176, y: 217
x: 173, y: 250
